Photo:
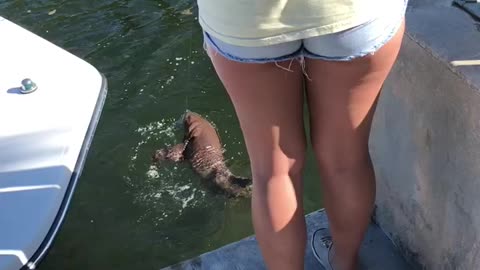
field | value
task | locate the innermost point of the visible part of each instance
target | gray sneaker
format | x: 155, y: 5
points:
x: 321, y: 247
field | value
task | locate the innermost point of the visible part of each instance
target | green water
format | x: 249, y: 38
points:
x: 126, y: 214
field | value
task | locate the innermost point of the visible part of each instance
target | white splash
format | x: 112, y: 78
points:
x: 152, y: 172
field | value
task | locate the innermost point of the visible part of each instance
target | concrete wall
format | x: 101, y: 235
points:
x: 426, y: 141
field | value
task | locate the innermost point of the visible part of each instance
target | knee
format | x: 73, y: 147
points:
x: 337, y: 157
x: 279, y: 164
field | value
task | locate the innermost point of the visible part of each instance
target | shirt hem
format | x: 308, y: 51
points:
x: 284, y: 37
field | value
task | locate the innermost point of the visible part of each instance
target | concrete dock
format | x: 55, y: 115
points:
x: 378, y: 252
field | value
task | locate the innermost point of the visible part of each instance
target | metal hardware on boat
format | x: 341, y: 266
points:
x: 28, y: 86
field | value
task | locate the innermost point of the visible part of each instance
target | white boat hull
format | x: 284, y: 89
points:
x: 44, y: 139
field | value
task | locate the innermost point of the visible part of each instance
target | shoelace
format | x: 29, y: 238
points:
x: 327, y: 241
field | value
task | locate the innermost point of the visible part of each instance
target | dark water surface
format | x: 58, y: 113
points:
x: 127, y: 214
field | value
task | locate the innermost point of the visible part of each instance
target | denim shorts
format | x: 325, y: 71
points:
x: 346, y: 45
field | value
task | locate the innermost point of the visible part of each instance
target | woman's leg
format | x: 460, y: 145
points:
x: 341, y: 97
x: 268, y: 102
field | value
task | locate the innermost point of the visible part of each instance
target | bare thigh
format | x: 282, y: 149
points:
x: 342, y: 98
x: 268, y: 102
